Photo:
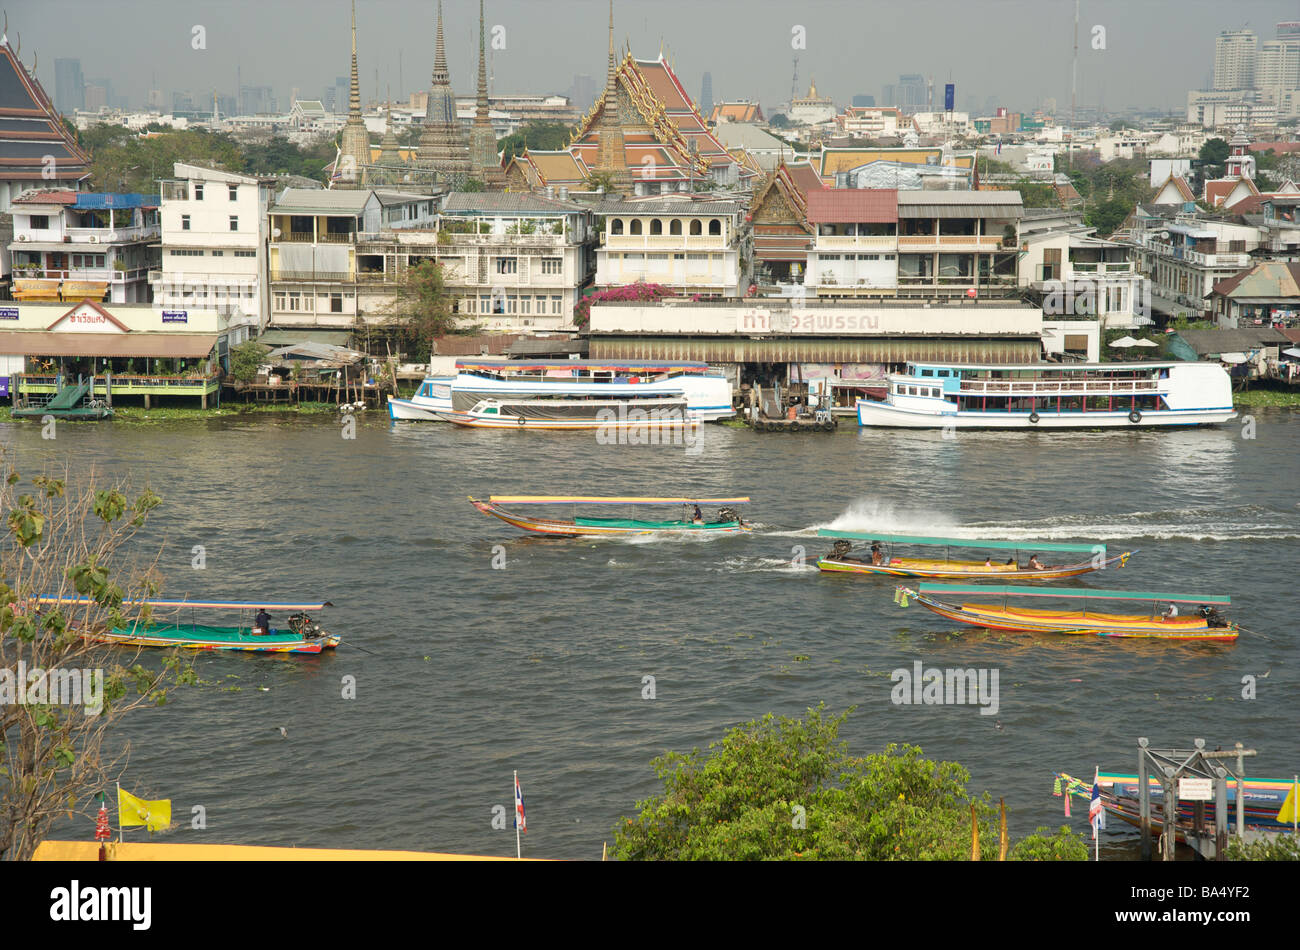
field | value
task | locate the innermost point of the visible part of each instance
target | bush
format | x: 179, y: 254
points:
x: 1064, y: 845
x: 245, y: 359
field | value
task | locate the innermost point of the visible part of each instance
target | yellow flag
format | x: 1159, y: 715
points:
x: 1287, y: 815
x: 136, y: 811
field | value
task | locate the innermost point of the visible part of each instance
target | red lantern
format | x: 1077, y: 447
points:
x: 102, y: 832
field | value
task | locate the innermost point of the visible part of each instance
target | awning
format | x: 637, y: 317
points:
x: 144, y: 344
x: 1293, y: 351
x: 1233, y: 357
x: 289, y: 337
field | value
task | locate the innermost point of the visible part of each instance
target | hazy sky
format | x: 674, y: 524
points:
x: 1016, y: 50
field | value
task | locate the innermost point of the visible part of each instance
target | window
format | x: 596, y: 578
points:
x: 552, y: 265
x: 556, y: 302
x: 507, y: 265
x: 336, y: 303
x: 616, y: 226
x: 245, y: 253
x: 40, y: 222
x: 234, y: 222
x: 525, y: 304
x: 279, y: 301
x: 656, y: 226
x: 695, y: 226
x: 198, y: 191
x: 635, y: 227
x: 185, y: 222
x: 234, y: 192
x: 295, y: 300
x: 715, y: 227
x: 675, y: 227
x: 216, y: 253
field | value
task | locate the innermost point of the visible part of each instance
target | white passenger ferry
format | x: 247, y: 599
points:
x: 1052, y: 396
x: 707, y: 392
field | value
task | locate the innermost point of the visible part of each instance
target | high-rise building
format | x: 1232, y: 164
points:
x: 1235, y: 53
x: 862, y: 100
x: 583, y: 90
x: 97, y: 96
x: 1288, y: 29
x: 910, y: 93
x: 1278, y: 67
x: 706, y: 95
x: 254, y: 100
x: 69, y: 86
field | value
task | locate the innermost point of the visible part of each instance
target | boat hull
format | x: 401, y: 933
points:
x: 883, y: 415
x: 1025, y: 620
x: 571, y: 529
x: 967, y: 570
x: 405, y: 409
x: 213, y: 639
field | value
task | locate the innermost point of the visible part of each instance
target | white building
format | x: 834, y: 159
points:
x: 83, y: 245
x: 214, y: 246
x: 696, y: 246
x: 1235, y: 53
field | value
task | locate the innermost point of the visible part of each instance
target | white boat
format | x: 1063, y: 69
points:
x: 433, y: 396
x: 707, y: 392
x: 646, y: 416
x: 1052, y: 396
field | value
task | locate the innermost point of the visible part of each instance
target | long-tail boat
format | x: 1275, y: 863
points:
x: 302, y: 634
x: 881, y: 557
x: 1202, y: 623
x: 725, y: 517
x: 1119, y: 796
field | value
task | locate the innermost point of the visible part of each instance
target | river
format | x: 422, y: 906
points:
x: 465, y: 672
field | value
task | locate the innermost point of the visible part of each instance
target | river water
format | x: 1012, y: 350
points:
x: 465, y: 672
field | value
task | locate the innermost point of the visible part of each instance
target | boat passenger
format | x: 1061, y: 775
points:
x: 877, y: 555
x: 1171, y: 613
x: 988, y: 562
x: 697, y: 517
x: 1034, y: 563
x: 262, y: 623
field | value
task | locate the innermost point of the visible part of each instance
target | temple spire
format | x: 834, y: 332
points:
x: 354, y: 92
x: 482, y: 140
x: 354, y: 145
x: 611, y: 159
x: 443, y: 148
x: 440, y: 74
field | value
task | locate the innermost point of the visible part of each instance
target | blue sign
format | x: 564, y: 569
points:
x: 175, y: 316
x: 8, y: 313
x: 949, y: 97
x: 4, y: 386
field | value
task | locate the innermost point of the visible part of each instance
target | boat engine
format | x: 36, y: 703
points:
x: 841, y: 549
x: 728, y: 514
x: 1212, y: 616
x: 303, y: 626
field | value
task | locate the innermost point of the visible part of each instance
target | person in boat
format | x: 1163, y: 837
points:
x: 1034, y: 563
x: 262, y: 623
x: 1212, y: 616
x: 1171, y: 613
x: 988, y: 561
x: 877, y: 555
x: 697, y: 516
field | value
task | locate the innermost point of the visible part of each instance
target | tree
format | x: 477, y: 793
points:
x: 779, y: 121
x: 1212, y: 156
x: 246, y: 358
x: 68, y: 542
x: 783, y: 788
x: 421, y: 311
x: 544, y: 136
x: 1108, y: 215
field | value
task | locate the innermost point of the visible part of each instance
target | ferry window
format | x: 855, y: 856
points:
x: 635, y: 227
x: 695, y: 226
x: 927, y: 372
x: 675, y: 226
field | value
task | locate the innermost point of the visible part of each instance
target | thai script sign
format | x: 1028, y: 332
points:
x: 175, y: 316
x: 8, y: 313
x: 765, y: 321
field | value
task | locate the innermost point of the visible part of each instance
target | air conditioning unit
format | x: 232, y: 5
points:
x: 22, y: 237
x: 94, y: 239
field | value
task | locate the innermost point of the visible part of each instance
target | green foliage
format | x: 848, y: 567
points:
x: 786, y: 789
x: 123, y: 160
x: 1213, y: 155
x: 421, y: 310
x: 279, y: 156
x: 779, y: 121
x: 246, y: 358
x: 1107, y: 215
x: 472, y: 184
x: 1064, y: 845
x: 542, y: 136
x: 1281, y: 847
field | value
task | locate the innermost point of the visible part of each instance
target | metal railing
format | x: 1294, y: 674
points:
x: 1057, y: 387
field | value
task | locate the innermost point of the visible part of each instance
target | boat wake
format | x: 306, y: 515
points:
x: 1240, y: 523
x: 759, y: 565
x: 875, y: 514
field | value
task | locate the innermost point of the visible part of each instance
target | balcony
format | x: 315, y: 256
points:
x: 640, y: 242
x: 950, y: 242
x: 868, y: 242
x: 112, y: 235
x: 488, y: 240
x: 310, y: 275
x: 1104, y: 267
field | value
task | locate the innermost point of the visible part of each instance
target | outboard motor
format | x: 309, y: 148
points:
x: 303, y: 626
x: 1212, y: 616
x: 728, y: 514
x: 841, y: 549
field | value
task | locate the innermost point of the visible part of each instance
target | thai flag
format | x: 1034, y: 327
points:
x: 1096, y: 813
x: 520, y: 821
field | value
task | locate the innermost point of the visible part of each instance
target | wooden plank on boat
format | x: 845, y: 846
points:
x: 1082, y: 592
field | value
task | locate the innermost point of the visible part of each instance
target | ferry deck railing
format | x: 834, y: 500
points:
x: 1040, y: 387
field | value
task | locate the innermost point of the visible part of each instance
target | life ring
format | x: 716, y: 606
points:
x: 1033, y: 417
x: 521, y: 420
x: 1135, y: 416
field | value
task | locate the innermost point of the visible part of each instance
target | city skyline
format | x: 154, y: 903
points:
x: 987, y: 50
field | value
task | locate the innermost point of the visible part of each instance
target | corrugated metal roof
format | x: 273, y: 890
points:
x: 302, y: 200
x: 661, y: 206
x: 139, y: 343
x: 284, y: 337
x: 804, y: 350
x: 469, y: 202
x: 959, y: 204
x: 870, y: 205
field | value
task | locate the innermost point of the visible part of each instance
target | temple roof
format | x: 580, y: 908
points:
x: 31, y: 130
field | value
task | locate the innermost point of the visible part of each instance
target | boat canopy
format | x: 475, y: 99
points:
x: 597, y: 500
x: 593, y: 366
x: 1084, y: 592
x: 965, y: 542
x: 205, y: 604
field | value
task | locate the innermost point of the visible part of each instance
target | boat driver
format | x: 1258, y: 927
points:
x: 262, y: 623
x: 877, y: 555
x: 1034, y: 563
x: 697, y: 516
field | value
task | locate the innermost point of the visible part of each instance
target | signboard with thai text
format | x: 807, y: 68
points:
x: 175, y: 316
x: 8, y: 313
x: 1196, y: 789
x: 809, y: 321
